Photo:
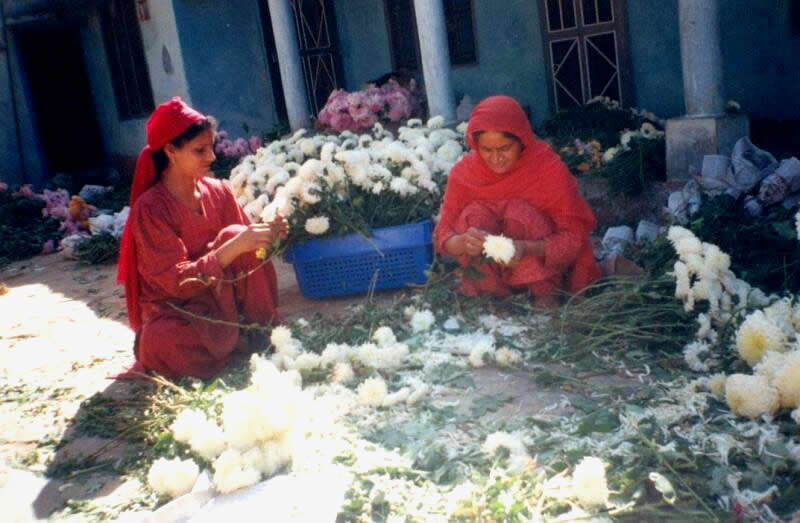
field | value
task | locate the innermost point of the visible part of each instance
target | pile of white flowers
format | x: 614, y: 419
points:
x: 318, y: 181
x: 254, y: 440
x: 766, y: 336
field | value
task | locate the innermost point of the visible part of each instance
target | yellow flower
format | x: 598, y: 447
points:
x: 261, y: 253
x: 756, y: 336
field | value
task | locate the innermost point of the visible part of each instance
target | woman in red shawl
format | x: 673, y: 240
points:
x: 184, y: 236
x: 515, y: 185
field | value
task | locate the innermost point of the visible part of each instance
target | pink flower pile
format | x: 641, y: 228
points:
x: 362, y: 109
x: 224, y: 146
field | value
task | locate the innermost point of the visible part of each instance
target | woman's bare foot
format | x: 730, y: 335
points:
x: 547, y: 302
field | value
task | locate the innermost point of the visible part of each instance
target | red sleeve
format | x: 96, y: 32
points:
x: 572, y: 218
x: 562, y: 248
x: 452, y: 205
x: 162, y: 259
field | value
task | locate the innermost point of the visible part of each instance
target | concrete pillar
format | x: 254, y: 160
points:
x: 705, y: 129
x: 435, y: 58
x: 701, y: 57
x: 294, y: 89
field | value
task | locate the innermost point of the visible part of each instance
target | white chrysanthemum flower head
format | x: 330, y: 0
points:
x: 208, y: 441
x: 307, y: 361
x: 232, y: 473
x: 770, y: 364
x: 787, y: 381
x: 676, y: 232
x: 369, y: 355
x: 751, y: 396
x: 402, y: 187
x: 436, y: 122
x: 451, y: 324
x: 757, y: 335
x: 401, y: 396
x: 172, y: 477
x: 372, y: 392
x: 589, y: 483
x: 506, y: 357
x: 335, y: 353
x: 384, y: 336
x: 499, y: 248
x: 691, y: 354
x: 421, y: 389
x: 281, y: 336
x: 342, y: 373
x: 504, y: 440
x: 797, y: 224
x: 609, y: 154
x: 716, y: 384
x: 422, y: 320
x: 317, y: 225
x: 187, y: 423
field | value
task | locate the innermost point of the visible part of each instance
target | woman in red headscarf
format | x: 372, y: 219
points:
x: 515, y: 185
x: 185, y: 242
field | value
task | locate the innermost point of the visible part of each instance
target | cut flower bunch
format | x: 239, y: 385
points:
x: 329, y: 185
x: 360, y: 110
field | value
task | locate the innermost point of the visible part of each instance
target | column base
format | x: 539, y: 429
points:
x: 689, y: 138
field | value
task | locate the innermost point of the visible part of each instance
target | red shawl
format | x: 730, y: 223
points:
x: 167, y: 122
x: 539, y: 177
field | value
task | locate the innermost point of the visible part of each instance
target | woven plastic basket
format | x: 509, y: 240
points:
x: 352, y: 264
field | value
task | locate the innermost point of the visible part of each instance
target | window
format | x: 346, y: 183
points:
x: 404, y: 40
x: 129, y: 74
x: 794, y: 18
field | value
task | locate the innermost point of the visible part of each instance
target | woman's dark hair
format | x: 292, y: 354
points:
x: 510, y: 136
x: 160, y: 157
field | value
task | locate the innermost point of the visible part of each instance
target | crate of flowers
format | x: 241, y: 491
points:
x: 359, y: 207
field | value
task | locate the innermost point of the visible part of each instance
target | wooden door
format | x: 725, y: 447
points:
x: 586, y: 50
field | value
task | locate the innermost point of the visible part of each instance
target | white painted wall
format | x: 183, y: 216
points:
x: 161, y: 45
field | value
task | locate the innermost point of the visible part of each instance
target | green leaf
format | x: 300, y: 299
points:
x: 601, y: 420
x: 785, y: 229
x: 488, y: 403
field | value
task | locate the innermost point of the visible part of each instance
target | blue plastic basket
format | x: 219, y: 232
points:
x: 352, y: 264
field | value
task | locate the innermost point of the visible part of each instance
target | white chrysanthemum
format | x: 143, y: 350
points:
x: 787, y: 381
x: 186, y: 424
x: 208, y: 441
x: 436, y: 122
x: 451, y: 324
x: 334, y: 353
x: 281, y: 336
x: 317, y: 225
x: 310, y: 193
x: 506, y: 357
x: 676, y: 232
x: 342, y: 373
x: 402, y: 186
x: 691, y: 354
x: 609, y: 154
x: 499, y: 248
x: 232, y: 473
x: 401, y: 396
x: 751, y: 396
x: 462, y: 128
x: 770, y: 364
x: 307, y: 361
x: 172, y: 477
x: 372, y: 392
x: 757, y: 335
x: 307, y: 146
x: 269, y: 457
x: 716, y: 260
x: 421, y: 390
x: 688, y: 245
x: 682, y: 282
x: 780, y: 313
x: 409, y: 311
x: 250, y: 418
x: 384, y: 336
x: 498, y: 440
x: 589, y: 482
x: 422, y: 320
x: 716, y: 384
x: 369, y: 355
x: 449, y: 151
x: 626, y: 137
x: 480, y: 353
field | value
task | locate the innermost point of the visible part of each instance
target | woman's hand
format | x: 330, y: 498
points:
x: 469, y: 243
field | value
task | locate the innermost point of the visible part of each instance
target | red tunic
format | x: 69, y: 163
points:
x: 537, y: 199
x: 174, y: 243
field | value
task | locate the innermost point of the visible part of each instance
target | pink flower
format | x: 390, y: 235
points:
x: 3, y: 186
x: 399, y: 106
x: 324, y: 116
x: 222, y: 135
x: 255, y: 143
x: 375, y: 99
x: 240, y: 147
x: 26, y: 191
x: 337, y: 101
x: 342, y: 122
x: 222, y: 146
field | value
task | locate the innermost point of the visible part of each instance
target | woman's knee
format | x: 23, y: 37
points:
x: 479, y: 215
x: 522, y: 220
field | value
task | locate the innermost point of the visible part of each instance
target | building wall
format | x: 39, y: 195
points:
x: 510, y: 57
x: 363, y: 41
x: 226, y: 68
x: 10, y: 161
x: 120, y: 138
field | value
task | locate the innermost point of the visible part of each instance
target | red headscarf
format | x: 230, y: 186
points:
x: 167, y: 122
x: 539, y: 176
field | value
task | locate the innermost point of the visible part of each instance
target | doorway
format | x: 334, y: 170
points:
x: 65, y: 116
x: 586, y: 51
